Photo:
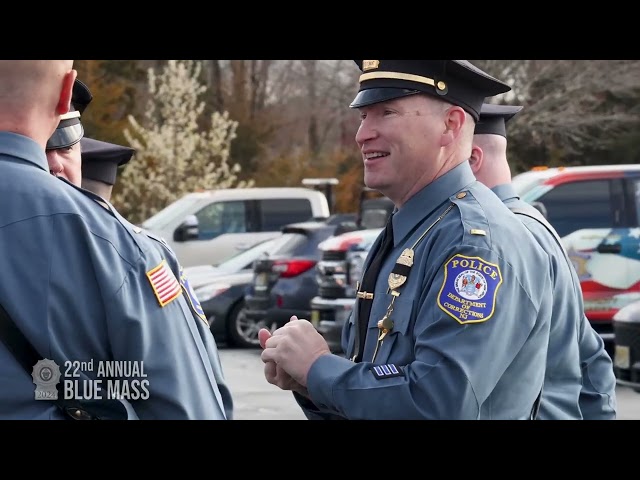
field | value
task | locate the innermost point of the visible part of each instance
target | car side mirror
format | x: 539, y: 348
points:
x: 187, y: 230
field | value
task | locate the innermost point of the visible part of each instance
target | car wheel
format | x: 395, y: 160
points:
x: 241, y: 331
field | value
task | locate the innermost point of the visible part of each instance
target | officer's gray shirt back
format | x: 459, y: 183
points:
x: 441, y: 361
x: 75, y: 280
x: 579, y: 380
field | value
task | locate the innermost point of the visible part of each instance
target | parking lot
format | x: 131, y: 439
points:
x: 255, y: 399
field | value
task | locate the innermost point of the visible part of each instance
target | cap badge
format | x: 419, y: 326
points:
x: 441, y: 88
x: 370, y: 64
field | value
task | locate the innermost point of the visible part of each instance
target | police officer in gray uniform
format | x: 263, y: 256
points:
x: 579, y: 380
x: 86, y: 285
x: 100, y: 163
x: 455, y: 323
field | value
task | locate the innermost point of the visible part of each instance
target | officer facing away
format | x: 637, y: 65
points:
x: 452, y: 322
x: 579, y: 379
x: 108, y: 292
x: 100, y: 163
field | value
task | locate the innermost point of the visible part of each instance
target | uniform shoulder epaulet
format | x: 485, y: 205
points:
x: 151, y: 236
x: 472, y: 214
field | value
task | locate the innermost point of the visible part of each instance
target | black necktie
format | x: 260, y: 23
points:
x: 369, y: 285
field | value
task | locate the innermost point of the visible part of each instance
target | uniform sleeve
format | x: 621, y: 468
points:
x: 150, y: 322
x: 598, y: 393
x: 216, y: 365
x: 312, y: 412
x: 201, y: 323
x: 473, y: 322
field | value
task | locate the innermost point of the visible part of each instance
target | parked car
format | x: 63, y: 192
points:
x: 339, y: 268
x: 212, y: 226
x: 626, y: 329
x: 223, y: 298
x: 283, y: 285
x: 199, y: 275
x: 596, y: 211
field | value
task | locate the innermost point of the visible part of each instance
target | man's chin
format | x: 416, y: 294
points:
x: 374, y: 182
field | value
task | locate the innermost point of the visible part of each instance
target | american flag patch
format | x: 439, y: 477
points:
x: 164, y: 283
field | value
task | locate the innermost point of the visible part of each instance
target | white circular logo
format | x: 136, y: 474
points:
x: 471, y: 284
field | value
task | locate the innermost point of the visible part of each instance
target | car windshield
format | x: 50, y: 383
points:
x: 525, y: 181
x: 170, y: 213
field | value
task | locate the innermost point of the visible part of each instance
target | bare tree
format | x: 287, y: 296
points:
x: 571, y: 106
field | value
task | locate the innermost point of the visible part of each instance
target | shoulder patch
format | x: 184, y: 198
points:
x: 386, y: 371
x: 469, y: 290
x: 194, y: 303
x: 164, y: 283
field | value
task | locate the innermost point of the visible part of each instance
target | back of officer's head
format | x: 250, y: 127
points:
x: 100, y: 164
x: 488, y: 159
x: 32, y: 95
x: 490, y: 132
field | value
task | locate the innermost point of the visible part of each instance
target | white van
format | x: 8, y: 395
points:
x: 210, y: 227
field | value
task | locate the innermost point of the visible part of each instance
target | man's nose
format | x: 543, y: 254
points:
x: 55, y: 165
x: 365, y: 132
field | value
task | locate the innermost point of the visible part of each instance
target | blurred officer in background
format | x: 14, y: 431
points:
x: 109, y: 293
x: 579, y: 379
x: 63, y: 147
x: 100, y: 163
x: 451, y: 321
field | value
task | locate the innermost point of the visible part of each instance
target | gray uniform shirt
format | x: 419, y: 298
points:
x: 83, y: 285
x: 579, y: 380
x: 470, y: 326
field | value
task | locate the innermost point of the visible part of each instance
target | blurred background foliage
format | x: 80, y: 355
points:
x: 293, y: 119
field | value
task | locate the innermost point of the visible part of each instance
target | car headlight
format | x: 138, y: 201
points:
x: 210, y: 291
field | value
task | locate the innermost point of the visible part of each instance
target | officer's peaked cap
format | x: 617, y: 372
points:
x: 494, y: 118
x: 70, y: 130
x: 81, y: 96
x: 455, y: 81
x: 100, y: 160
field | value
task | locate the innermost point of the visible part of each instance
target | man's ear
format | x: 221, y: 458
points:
x: 454, y: 121
x: 66, y: 93
x: 476, y: 159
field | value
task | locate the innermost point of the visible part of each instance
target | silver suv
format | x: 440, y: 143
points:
x: 212, y: 226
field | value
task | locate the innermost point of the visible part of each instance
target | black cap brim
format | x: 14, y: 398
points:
x: 494, y: 117
x: 377, y: 95
x: 100, y: 160
x: 81, y: 96
x: 65, y: 137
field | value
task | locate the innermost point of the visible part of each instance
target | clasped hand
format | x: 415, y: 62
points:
x: 289, y: 353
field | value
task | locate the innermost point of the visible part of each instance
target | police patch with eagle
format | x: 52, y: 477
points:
x: 469, y: 290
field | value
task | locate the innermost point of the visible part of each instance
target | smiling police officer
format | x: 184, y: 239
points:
x: 451, y: 321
